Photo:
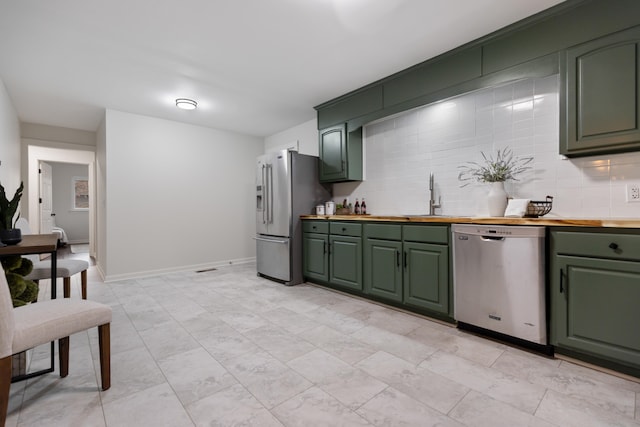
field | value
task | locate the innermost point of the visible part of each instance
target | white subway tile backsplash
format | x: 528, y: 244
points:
x: 403, y: 149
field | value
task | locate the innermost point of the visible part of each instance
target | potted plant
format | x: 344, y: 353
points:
x: 505, y: 166
x: 8, y: 208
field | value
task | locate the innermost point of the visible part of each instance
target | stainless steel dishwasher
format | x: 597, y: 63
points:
x: 499, y: 280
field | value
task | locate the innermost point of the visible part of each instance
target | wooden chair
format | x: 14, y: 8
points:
x: 26, y: 327
x: 65, y: 268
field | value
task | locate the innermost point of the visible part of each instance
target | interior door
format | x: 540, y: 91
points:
x: 46, y: 196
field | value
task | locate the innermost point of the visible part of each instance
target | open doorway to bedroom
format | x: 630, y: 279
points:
x: 64, y: 194
x: 72, y: 199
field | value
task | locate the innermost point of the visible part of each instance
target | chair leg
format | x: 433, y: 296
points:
x: 67, y: 287
x: 63, y: 351
x: 104, y: 342
x: 5, y: 385
x: 37, y: 282
x: 83, y: 280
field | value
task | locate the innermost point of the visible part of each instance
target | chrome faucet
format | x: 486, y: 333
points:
x: 432, y: 202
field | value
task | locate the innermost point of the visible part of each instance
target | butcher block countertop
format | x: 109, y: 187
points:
x: 546, y: 221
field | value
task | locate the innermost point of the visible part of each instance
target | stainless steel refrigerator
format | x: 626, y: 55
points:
x: 287, y: 186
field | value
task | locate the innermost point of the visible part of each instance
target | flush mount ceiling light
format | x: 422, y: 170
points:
x: 186, y: 104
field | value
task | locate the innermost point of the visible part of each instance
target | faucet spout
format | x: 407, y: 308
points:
x: 432, y: 202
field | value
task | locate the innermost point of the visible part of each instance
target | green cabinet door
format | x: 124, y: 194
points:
x: 340, y: 154
x: 315, y: 261
x: 426, y: 276
x: 600, y: 113
x: 345, y: 261
x: 595, y: 307
x: 333, y: 153
x: 383, y: 268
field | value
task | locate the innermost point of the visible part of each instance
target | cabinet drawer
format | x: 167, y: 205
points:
x: 426, y: 233
x: 600, y: 245
x: 383, y: 231
x: 346, y: 229
x: 315, y: 227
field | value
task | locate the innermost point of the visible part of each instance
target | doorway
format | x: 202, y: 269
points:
x: 64, y: 201
x: 82, y: 158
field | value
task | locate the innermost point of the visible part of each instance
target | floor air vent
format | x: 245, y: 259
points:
x: 206, y: 270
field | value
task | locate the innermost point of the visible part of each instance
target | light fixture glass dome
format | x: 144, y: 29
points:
x: 186, y: 104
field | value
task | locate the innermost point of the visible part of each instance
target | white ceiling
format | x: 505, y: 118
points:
x: 254, y: 66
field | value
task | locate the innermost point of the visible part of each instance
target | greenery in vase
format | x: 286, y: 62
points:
x: 8, y: 208
x: 23, y: 291
x: 505, y: 166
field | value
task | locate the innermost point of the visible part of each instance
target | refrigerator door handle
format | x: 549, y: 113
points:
x: 264, y: 192
x: 267, y: 197
x: 270, y: 178
x: 284, y: 242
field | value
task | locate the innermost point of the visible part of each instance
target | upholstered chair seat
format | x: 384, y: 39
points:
x: 25, y: 327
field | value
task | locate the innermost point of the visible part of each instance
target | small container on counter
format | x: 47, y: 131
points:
x: 330, y: 208
x: 320, y: 210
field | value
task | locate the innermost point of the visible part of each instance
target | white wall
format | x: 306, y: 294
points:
x: 74, y: 222
x: 177, y: 196
x: 9, y: 144
x: 100, y: 200
x: 438, y: 138
x: 305, y: 135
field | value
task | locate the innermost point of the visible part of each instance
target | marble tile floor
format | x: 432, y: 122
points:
x: 227, y: 348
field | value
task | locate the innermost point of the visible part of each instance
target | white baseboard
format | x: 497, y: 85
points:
x: 180, y: 269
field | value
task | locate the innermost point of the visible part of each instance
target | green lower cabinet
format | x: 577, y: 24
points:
x: 315, y: 261
x: 383, y: 269
x: 345, y: 261
x: 426, y: 276
x: 595, y: 308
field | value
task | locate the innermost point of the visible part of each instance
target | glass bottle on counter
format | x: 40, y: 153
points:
x: 356, y: 208
x: 363, y: 207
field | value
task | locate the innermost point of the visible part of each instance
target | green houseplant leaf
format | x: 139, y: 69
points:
x: 8, y: 208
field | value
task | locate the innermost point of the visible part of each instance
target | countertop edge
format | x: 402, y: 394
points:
x: 557, y: 222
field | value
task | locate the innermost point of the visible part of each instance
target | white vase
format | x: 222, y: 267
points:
x: 497, y: 199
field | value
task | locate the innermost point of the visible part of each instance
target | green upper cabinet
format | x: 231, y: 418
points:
x: 340, y: 154
x: 600, y: 81
x: 350, y: 106
x: 445, y: 71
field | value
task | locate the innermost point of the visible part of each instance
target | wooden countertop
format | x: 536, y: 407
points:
x: 546, y: 221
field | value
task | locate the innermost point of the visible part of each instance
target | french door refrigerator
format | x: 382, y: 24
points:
x: 287, y: 186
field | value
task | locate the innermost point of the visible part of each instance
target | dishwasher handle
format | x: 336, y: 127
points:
x: 492, y: 238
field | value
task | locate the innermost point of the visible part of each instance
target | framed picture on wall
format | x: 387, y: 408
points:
x: 80, y: 193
